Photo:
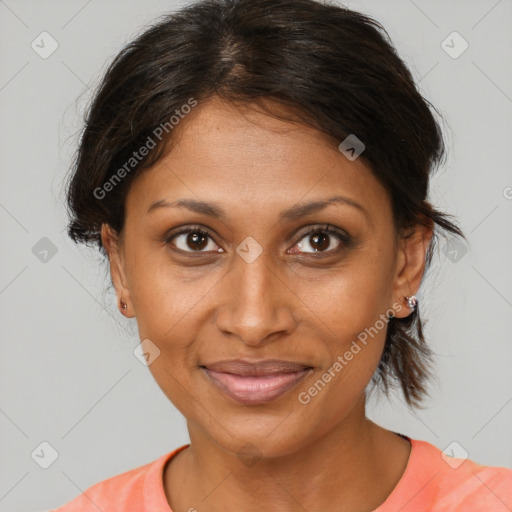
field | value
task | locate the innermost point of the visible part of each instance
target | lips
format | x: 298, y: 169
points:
x: 255, y: 369
x: 253, y: 383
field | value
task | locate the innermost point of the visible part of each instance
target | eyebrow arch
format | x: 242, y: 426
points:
x: 210, y: 209
x: 296, y: 212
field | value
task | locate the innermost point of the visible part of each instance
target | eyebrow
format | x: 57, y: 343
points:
x: 296, y: 212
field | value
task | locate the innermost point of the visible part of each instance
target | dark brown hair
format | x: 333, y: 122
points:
x: 331, y: 67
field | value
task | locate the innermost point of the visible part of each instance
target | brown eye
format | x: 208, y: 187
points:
x: 321, y: 239
x: 193, y: 240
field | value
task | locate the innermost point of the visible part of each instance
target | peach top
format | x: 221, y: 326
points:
x: 430, y: 483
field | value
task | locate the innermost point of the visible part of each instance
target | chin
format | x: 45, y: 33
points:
x: 254, y: 439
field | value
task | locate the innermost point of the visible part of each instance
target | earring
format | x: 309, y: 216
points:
x: 124, y: 305
x: 412, y: 301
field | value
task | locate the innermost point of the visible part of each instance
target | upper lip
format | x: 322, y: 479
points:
x: 263, y: 367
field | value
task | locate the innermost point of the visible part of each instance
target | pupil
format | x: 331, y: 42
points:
x: 322, y: 244
x: 194, y: 238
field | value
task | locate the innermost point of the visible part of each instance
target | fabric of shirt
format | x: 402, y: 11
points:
x: 432, y: 482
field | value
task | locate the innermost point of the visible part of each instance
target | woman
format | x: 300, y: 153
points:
x: 257, y: 174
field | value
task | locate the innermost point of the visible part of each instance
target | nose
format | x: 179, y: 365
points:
x: 257, y: 303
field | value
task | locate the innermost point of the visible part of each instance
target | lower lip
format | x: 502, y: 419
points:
x: 256, y: 390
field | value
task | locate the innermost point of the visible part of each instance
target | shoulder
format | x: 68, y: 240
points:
x: 136, y: 490
x: 459, y: 483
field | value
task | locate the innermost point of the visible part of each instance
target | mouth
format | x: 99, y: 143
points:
x: 255, y: 383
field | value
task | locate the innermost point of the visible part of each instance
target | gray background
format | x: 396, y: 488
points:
x: 68, y: 373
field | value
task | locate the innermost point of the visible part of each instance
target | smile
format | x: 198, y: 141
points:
x: 255, y: 389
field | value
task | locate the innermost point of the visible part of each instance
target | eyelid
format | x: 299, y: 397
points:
x: 324, y: 228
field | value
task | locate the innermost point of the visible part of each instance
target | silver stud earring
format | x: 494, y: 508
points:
x: 124, y: 305
x: 412, y: 301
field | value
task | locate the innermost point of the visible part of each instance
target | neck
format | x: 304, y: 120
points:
x: 355, y: 465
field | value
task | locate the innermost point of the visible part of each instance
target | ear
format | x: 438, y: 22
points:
x: 111, y: 242
x: 410, y: 264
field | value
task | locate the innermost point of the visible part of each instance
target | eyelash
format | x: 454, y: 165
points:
x: 325, y: 229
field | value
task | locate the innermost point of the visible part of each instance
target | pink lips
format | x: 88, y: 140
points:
x: 255, y: 383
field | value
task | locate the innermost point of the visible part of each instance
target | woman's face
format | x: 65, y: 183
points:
x: 257, y: 287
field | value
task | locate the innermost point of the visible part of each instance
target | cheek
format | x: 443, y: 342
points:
x: 164, y: 295
x: 350, y: 314
x: 349, y: 299
x: 353, y: 322
x: 172, y: 308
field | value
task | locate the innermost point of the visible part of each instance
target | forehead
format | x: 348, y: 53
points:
x: 250, y: 160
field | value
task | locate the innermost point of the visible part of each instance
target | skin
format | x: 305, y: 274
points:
x: 290, y: 303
